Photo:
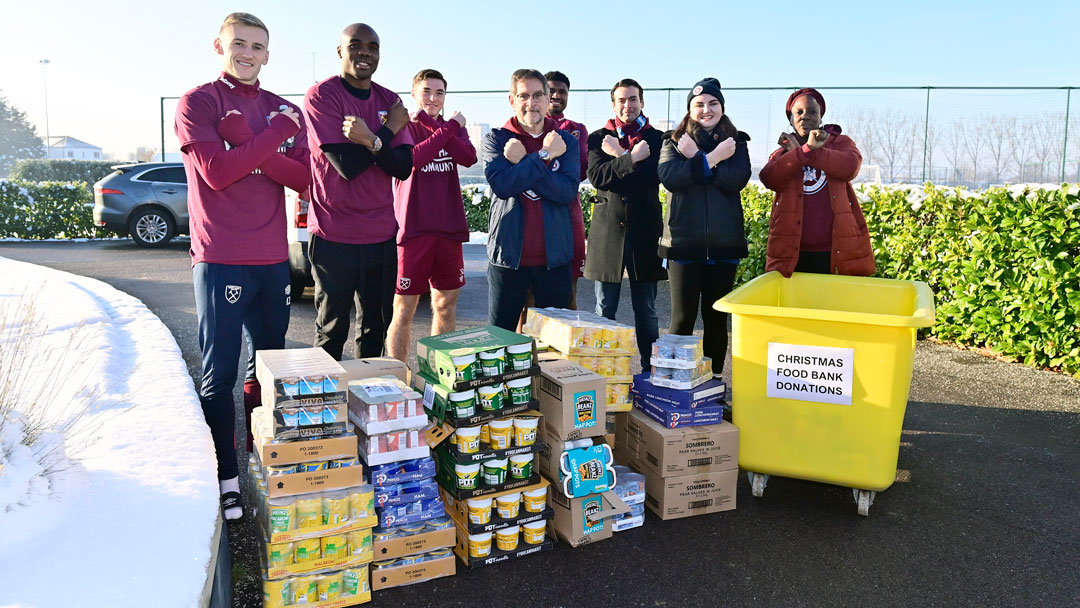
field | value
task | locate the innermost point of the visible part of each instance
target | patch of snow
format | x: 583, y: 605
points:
x: 131, y: 520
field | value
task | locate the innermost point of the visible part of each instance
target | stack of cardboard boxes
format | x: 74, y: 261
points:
x: 314, y: 509
x: 576, y: 459
x: 478, y: 387
x: 689, y: 470
x: 413, y: 540
x: 594, y: 342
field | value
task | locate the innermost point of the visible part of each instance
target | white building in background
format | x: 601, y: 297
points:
x: 475, y: 174
x: 69, y: 148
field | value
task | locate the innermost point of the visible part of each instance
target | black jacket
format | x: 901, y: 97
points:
x: 627, y: 208
x: 704, y: 210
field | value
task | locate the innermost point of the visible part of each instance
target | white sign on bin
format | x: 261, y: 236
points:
x: 810, y: 373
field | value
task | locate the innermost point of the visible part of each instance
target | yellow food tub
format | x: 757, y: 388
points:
x: 855, y: 334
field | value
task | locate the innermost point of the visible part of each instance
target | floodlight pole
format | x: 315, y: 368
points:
x: 45, y: 74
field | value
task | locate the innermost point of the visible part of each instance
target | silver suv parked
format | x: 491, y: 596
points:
x: 146, y: 200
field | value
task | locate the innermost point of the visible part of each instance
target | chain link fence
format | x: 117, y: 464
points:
x: 955, y: 136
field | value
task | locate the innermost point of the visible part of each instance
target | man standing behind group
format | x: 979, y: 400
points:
x: 241, y: 145
x: 559, y: 85
x: 626, y: 223
x: 359, y: 142
x: 430, y: 214
x: 533, y: 170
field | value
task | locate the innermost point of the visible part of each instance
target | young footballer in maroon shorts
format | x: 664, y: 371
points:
x: 430, y: 215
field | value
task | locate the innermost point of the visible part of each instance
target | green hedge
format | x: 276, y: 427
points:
x: 31, y: 210
x: 1002, y: 264
x: 60, y: 170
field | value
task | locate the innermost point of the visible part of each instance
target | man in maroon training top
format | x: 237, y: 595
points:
x: 359, y: 143
x: 241, y: 145
x: 430, y: 215
x: 559, y: 84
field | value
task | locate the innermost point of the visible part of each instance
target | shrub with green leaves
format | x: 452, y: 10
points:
x: 45, y: 210
x: 60, y: 170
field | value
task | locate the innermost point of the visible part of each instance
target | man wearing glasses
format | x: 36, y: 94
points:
x: 533, y: 170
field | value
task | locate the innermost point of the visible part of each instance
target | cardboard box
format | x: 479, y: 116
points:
x: 384, y: 578
x: 434, y: 355
x: 673, y: 417
x: 271, y: 452
x: 363, y: 595
x: 461, y: 549
x: 414, y: 544
x: 458, y: 510
x: 272, y: 366
x: 317, y: 481
x: 547, y: 461
x: 325, y: 563
x: 705, y: 393
x: 572, y: 399
x: 436, y: 402
x: 679, y: 451
x: 373, y: 367
x: 687, y: 495
x: 580, y: 521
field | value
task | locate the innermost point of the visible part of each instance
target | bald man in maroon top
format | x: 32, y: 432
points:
x: 358, y: 143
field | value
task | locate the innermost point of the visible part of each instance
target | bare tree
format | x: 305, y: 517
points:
x: 931, y: 141
x: 1020, y: 146
x: 973, y: 143
x: 954, y: 149
x: 997, y: 139
x: 893, y: 135
x: 1047, y: 132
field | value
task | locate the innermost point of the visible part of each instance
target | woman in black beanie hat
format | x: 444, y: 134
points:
x: 704, y: 164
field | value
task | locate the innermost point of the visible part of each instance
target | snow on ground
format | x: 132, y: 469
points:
x: 478, y: 238
x: 130, y: 522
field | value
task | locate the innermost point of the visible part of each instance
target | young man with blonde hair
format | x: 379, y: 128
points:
x: 241, y: 147
x: 430, y: 214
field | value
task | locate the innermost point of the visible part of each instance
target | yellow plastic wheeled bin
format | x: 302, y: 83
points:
x: 821, y: 367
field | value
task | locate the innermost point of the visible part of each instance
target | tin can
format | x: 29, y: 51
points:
x: 341, y: 463
x: 355, y: 580
x: 305, y: 589
x: 309, y: 512
x: 311, y: 467
x: 282, y: 513
x: 329, y: 586
x: 277, y: 594
x: 388, y: 563
x: 414, y: 529
x: 361, y: 504
x: 384, y: 534
x: 284, y: 469
x: 334, y: 546
x: 359, y: 542
x: 307, y: 550
x: 279, y: 554
x: 441, y: 523
x: 335, y: 508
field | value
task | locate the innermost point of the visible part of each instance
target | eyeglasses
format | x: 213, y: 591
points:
x: 538, y: 96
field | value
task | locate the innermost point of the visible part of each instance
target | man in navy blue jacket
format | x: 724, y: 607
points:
x: 533, y: 170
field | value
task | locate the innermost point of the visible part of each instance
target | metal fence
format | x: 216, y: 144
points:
x: 970, y: 136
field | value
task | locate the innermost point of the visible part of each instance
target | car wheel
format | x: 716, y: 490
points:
x: 151, y: 227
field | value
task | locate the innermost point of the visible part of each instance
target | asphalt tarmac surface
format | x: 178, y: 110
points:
x: 984, y: 511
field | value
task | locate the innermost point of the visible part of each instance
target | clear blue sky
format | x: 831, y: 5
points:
x: 111, y: 61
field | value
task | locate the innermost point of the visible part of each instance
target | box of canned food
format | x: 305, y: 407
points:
x: 330, y: 552
x: 478, y: 549
x: 393, y: 473
x: 383, y: 405
x: 334, y: 589
x: 308, y: 477
x: 576, y: 332
x: 470, y: 358
x: 472, y: 407
x: 290, y: 518
x: 412, y: 569
x: 273, y: 451
x: 517, y: 507
x: 299, y: 376
x: 415, y: 539
x: 391, y: 447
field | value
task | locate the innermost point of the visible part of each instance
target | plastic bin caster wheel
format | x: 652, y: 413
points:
x: 863, y: 498
x: 758, y: 481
